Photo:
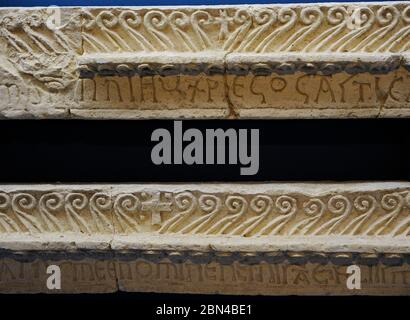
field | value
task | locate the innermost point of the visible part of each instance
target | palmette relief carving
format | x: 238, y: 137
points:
x: 338, y: 28
x: 360, y: 213
x: 47, y: 55
x: 55, y: 212
x: 242, y: 61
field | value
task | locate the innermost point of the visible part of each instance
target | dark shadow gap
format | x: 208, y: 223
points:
x: 36, y: 151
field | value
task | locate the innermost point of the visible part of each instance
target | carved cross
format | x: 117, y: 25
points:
x: 224, y: 20
x: 156, y: 206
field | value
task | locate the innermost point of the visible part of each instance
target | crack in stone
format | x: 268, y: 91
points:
x: 232, y: 112
x: 110, y: 192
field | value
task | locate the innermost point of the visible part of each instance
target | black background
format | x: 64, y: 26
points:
x: 142, y: 306
x: 119, y: 151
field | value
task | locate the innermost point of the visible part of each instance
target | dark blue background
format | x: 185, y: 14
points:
x: 17, y: 3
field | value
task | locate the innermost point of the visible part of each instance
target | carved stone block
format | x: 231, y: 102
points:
x: 260, y: 61
x: 204, y: 238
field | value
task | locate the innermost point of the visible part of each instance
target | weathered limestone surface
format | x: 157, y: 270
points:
x: 143, y: 275
x: 271, y: 61
x: 245, y: 238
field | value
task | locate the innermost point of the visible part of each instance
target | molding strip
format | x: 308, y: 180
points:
x: 138, y: 228
x: 262, y: 61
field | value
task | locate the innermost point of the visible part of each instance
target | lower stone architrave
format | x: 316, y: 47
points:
x: 244, y: 238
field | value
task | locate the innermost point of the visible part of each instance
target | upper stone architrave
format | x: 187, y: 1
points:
x: 249, y: 61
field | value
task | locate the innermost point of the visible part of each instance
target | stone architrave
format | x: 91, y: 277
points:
x: 270, y: 239
x: 270, y: 61
x: 254, y: 61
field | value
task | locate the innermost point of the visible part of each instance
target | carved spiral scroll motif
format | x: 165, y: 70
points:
x: 339, y: 28
x: 193, y: 212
